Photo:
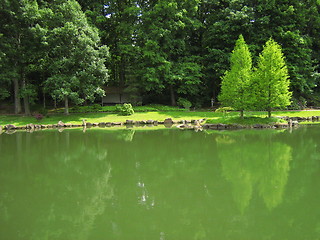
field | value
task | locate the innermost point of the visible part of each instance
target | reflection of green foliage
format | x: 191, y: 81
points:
x: 275, y: 173
x: 250, y: 161
x: 126, y: 135
x: 71, y: 188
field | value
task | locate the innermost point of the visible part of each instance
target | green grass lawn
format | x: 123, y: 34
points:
x: 232, y: 117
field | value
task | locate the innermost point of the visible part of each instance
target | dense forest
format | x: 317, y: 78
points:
x: 168, y: 51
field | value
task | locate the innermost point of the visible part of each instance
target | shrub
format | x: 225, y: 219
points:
x: 38, y: 116
x: 96, y: 107
x: 125, y: 109
x: 184, y: 103
x: 43, y: 111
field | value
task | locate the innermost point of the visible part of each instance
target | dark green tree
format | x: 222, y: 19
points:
x: 20, y: 50
x: 75, y: 59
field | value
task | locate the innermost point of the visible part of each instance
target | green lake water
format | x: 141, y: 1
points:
x: 160, y: 184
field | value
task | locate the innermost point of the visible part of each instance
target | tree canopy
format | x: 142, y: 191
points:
x: 160, y: 51
x: 235, y: 86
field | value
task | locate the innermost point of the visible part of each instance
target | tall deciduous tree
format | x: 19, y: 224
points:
x: 167, y: 64
x: 19, y: 45
x: 236, y: 82
x: 271, y: 79
x: 76, y: 60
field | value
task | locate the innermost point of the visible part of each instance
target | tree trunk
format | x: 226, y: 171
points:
x: 173, y: 98
x: 26, y: 103
x: 44, y: 100
x: 17, y: 102
x: 66, y: 105
x: 241, y: 114
x: 269, y: 113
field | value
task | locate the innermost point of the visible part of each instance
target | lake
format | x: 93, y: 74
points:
x: 160, y: 184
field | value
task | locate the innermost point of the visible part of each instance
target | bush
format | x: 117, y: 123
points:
x: 43, y: 111
x: 182, y: 102
x: 125, y: 109
x: 38, y: 116
x: 96, y: 107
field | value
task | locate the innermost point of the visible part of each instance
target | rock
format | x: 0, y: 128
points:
x: 60, y: 124
x: 84, y: 122
x: 168, y: 121
x: 116, y: 123
x: 295, y: 123
x: 221, y: 126
x: 102, y: 124
x: 129, y: 122
x: 95, y: 124
x: 257, y: 126
x: 281, y: 125
x: 10, y: 127
x: 150, y: 122
x: 88, y: 125
x: 68, y: 125
x: 197, y: 123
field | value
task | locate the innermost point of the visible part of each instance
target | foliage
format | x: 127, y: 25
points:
x: 271, y: 79
x: 160, y: 50
x: 235, y: 85
x: 125, y: 109
x: 184, y: 103
x: 76, y: 66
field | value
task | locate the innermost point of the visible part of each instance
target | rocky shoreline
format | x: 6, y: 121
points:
x: 182, y: 124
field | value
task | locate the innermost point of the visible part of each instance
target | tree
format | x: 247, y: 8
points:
x: 235, y: 82
x: 167, y: 63
x: 271, y: 79
x: 76, y: 60
x: 20, y: 49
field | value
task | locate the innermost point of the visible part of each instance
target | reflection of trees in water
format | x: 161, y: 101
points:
x: 179, y: 184
x: 60, y: 197
x: 126, y: 135
x: 259, y: 161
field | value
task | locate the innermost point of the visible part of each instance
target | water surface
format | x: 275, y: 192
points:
x: 160, y: 184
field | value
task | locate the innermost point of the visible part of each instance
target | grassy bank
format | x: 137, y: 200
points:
x: 147, y: 114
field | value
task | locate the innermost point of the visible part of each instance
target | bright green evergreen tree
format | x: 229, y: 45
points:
x: 271, y: 79
x: 235, y: 82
